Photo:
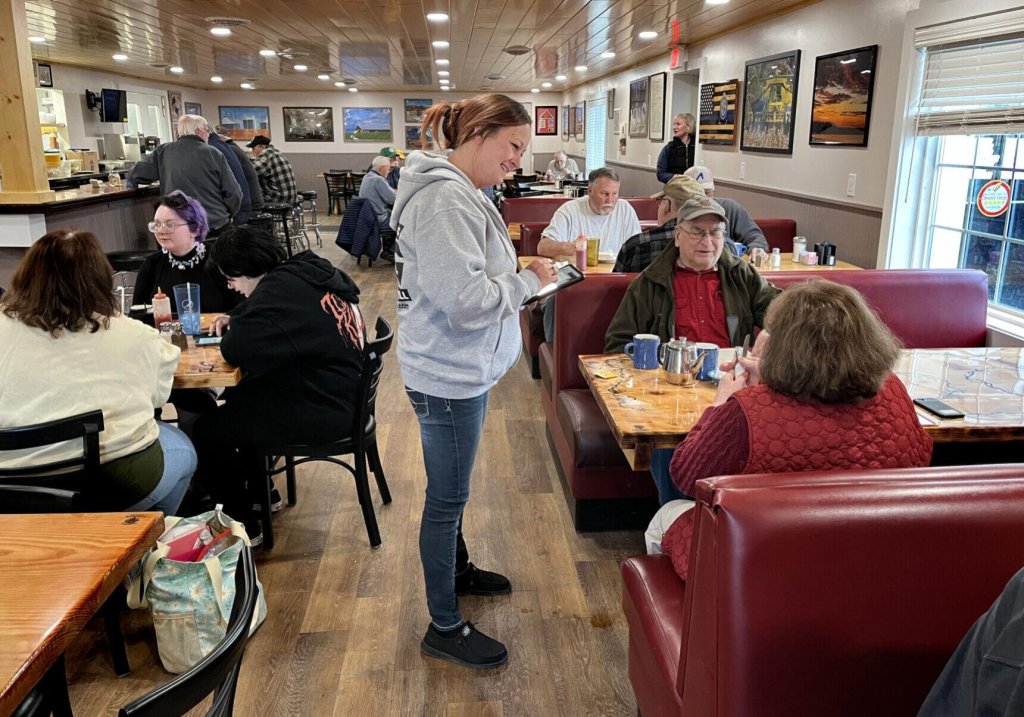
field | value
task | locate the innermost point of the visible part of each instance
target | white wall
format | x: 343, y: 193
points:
x: 819, y: 29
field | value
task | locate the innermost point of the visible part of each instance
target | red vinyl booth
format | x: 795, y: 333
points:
x: 809, y: 594
x: 778, y: 232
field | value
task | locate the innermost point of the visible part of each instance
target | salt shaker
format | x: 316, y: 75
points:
x: 776, y: 258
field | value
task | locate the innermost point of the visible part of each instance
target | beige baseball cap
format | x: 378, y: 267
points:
x: 700, y: 206
x: 680, y: 189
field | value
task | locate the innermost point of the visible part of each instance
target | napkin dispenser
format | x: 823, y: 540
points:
x: 826, y: 252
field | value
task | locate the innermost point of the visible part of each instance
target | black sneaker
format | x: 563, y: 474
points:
x: 276, y: 501
x: 465, y: 646
x: 255, y: 532
x: 474, y: 581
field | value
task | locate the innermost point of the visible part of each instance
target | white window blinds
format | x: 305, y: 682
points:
x: 595, y: 134
x: 975, y: 88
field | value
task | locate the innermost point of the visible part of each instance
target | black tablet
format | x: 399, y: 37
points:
x: 567, y: 276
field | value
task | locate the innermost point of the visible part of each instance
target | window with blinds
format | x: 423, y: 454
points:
x: 975, y: 88
x: 595, y: 131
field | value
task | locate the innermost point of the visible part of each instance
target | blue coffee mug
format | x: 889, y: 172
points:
x: 643, y: 349
x: 710, y: 365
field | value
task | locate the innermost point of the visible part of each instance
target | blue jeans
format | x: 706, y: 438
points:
x: 179, y: 465
x: 667, y: 490
x: 450, y: 433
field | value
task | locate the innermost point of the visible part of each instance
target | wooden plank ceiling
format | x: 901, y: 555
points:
x: 378, y: 44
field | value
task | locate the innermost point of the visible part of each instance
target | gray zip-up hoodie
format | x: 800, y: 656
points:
x: 459, y: 292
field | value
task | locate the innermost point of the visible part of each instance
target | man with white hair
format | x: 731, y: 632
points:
x: 561, y: 167
x: 375, y: 187
x: 192, y: 166
x: 742, y: 229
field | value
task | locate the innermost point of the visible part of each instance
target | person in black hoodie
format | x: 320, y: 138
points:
x: 298, y: 338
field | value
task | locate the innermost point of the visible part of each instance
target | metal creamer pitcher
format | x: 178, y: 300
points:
x: 679, y: 358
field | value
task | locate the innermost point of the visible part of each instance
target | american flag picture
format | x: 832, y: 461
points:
x: 718, y: 105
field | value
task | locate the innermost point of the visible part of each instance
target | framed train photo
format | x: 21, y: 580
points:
x: 770, y: 84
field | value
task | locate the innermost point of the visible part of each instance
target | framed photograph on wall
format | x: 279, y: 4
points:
x: 44, y: 74
x: 770, y: 103
x: 718, y: 112
x: 581, y: 115
x: 177, y: 109
x: 545, y: 120
x: 844, y: 83
x: 565, y: 123
x: 638, y: 108
x: 193, y: 108
x: 413, y: 137
x: 367, y: 124
x: 414, y: 110
x: 656, y: 107
x: 572, y: 120
x: 308, y: 124
x: 245, y: 122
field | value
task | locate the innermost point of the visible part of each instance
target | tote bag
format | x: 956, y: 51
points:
x: 190, y: 601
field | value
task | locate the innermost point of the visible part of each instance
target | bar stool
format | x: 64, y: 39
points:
x: 262, y: 220
x: 282, y: 213
x: 126, y: 265
x: 313, y: 223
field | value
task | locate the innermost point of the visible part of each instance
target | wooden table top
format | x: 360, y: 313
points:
x: 55, y: 572
x: 644, y: 411
x: 601, y: 268
x: 204, y: 367
x: 789, y: 265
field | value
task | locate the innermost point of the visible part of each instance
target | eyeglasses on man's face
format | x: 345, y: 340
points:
x: 164, y: 226
x: 697, y: 233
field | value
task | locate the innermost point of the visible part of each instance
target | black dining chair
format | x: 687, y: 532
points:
x: 336, y: 184
x: 218, y: 671
x: 61, y: 487
x: 361, y: 443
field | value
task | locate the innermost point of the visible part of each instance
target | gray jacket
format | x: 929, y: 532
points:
x: 459, y: 292
x: 375, y: 188
x: 198, y: 170
x: 251, y: 178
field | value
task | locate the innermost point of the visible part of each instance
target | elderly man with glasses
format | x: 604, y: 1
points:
x: 695, y: 290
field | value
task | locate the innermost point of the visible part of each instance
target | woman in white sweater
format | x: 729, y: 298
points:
x: 65, y: 349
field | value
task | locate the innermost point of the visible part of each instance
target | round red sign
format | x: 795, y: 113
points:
x: 994, y: 198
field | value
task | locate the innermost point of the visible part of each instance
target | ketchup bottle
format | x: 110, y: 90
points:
x: 161, y: 308
x: 581, y: 253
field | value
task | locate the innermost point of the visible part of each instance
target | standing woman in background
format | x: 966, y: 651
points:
x: 459, y: 296
x: 678, y: 155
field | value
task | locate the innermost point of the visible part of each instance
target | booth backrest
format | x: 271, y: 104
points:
x: 531, y: 209
x: 778, y: 232
x: 582, y: 315
x: 924, y: 308
x: 840, y: 593
x: 529, y: 237
x: 645, y: 207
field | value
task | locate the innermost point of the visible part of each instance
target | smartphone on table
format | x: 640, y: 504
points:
x: 208, y: 340
x: 938, y: 408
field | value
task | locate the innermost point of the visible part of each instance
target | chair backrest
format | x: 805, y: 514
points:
x: 219, y: 670
x: 373, y: 364
x: 84, y: 426
x: 15, y: 499
x: 335, y: 182
x: 840, y: 593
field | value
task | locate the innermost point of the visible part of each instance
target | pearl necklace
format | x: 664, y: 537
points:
x: 176, y: 263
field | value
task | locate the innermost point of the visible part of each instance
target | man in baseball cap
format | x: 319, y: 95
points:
x: 258, y: 141
x: 640, y: 249
x: 692, y: 289
x: 741, y: 228
x: 277, y: 180
x: 396, y: 156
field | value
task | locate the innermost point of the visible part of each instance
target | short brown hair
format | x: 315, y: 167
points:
x: 454, y: 123
x: 826, y: 344
x: 64, y: 283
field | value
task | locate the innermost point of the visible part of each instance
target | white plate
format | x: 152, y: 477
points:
x: 606, y: 257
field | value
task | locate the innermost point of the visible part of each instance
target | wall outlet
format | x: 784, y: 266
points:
x: 743, y: 170
x: 851, y: 185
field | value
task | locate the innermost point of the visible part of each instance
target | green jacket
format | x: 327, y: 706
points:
x: 649, y: 304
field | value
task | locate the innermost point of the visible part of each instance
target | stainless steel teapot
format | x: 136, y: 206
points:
x: 679, y: 359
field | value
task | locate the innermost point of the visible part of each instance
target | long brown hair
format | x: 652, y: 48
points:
x: 64, y: 283
x: 826, y: 344
x: 454, y: 123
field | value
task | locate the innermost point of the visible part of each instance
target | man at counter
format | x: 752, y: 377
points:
x: 190, y: 165
x: 251, y: 179
x: 274, y: 170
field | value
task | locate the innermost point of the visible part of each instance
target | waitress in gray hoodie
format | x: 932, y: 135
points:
x: 459, y: 294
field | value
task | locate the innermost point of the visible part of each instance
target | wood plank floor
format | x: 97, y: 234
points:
x: 345, y: 622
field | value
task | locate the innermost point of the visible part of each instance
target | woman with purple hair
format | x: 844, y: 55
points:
x: 180, y: 226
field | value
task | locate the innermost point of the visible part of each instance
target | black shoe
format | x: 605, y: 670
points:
x: 276, y: 501
x: 388, y: 257
x: 465, y: 646
x: 474, y: 581
x: 255, y: 532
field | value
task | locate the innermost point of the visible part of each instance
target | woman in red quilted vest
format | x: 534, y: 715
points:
x: 819, y: 394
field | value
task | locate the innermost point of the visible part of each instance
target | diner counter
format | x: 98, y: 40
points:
x: 77, y: 197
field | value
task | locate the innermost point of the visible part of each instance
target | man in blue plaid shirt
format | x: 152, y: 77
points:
x: 275, y: 172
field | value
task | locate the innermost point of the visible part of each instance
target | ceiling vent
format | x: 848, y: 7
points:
x: 291, y: 54
x: 348, y: 80
x: 495, y: 77
x: 227, y: 21
x: 517, y: 50
x: 159, y: 65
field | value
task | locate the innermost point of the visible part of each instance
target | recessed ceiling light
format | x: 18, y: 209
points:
x: 561, y: 78
x: 716, y: 2
x: 534, y: 90
x: 436, y: 16
x: 120, y: 57
x: 445, y: 88
x: 220, y: 31
x: 339, y: 84
x: 441, y: 62
x: 322, y: 76
x: 647, y: 35
x: 245, y: 86
x: 443, y: 73
x: 177, y: 70
x: 299, y: 68
x: 545, y: 85
x: 440, y: 43
x: 37, y: 39
x: 268, y: 53
x: 216, y: 78
x: 581, y: 68
x: 443, y: 81
x: 607, y: 54
x: 353, y: 89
